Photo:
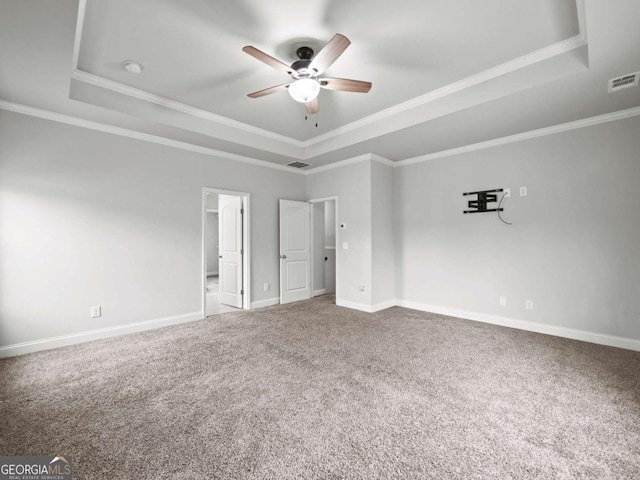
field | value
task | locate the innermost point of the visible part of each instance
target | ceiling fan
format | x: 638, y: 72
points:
x: 306, y: 73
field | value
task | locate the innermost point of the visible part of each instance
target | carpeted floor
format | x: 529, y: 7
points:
x: 311, y: 390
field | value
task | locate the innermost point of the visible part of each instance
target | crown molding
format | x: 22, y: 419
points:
x: 102, y: 127
x: 484, y: 76
x: 382, y: 160
x: 143, y: 95
x: 341, y: 163
x: 540, y: 55
x: 582, y: 19
x: 124, y: 132
x: 350, y: 161
x: 82, y: 8
x: 563, y: 127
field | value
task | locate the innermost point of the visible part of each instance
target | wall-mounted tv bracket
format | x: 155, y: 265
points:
x: 480, y: 204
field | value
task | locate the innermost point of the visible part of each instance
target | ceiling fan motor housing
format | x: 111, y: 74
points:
x: 301, y: 69
x: 304, y: 53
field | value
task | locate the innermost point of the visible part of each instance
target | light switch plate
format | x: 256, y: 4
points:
x: 345, y: 245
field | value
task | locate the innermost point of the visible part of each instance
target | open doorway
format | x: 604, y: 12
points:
x: 323, y: 246
x: 225, y: 244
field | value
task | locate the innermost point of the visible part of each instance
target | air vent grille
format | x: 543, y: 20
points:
x: 626, y: 81
x: 298, y: 164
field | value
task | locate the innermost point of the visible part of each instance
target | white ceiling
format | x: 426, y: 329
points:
x: 445, y: 73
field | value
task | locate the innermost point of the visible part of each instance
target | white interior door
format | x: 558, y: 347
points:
x: 295, y: 251
x: 230, y: 250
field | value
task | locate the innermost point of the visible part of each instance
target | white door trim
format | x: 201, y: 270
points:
x: 246, y: 261
x: 313, y: 246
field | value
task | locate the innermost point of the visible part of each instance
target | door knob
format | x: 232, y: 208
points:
x: 283, y: 256
x: 219, y: 256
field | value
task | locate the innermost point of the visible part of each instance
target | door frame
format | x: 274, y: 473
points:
x: 313, y: 246
x: 246, y: 259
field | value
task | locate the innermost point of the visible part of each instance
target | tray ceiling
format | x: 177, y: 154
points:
x: 445, y: 74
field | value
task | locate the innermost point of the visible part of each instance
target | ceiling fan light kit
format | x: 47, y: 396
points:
x: 306, y: 73
x: 304, y: 90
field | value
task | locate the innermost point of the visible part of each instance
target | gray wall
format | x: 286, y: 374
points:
x: 212, y: 201
x: 212, y: 233
x: 88, y: 218
x: 383, y: 233
x: 330, y: 241
x: 330, y: 223
x: 352, y: 185
x: 330, y: 270
x: 573, y: 248
x: 212, y: 242
x: 318, y: 246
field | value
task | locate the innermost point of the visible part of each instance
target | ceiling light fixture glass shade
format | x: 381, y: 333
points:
x: 304, y: 90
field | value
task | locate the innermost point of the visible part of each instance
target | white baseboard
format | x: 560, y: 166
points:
x: 81, y: 337
x: 265, y: 303
x: 582, y: 335
x: 363, y: 307
x: 384, y: 305
x: 317, y: 293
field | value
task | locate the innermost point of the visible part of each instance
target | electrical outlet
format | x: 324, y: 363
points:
x: 528, y: 304
x: 345, y: 245
x: 266, y: 287
x: 363, y: 288
x: 523, y: 191
x: 503, y: 301
x: 96, y: 311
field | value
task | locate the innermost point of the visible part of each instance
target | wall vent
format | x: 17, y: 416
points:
x: 626, y: 81
x: 298, y: 164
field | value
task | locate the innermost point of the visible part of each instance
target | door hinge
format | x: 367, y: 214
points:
x: 242, y: 211
x: 241, y: 252
x: 241, y: 292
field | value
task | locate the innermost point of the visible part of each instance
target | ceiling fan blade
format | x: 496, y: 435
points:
x: 345, y: 85
x: 269, y: 91
x: 269, y: 60
x: 329, y: 53
x: 312, y: 106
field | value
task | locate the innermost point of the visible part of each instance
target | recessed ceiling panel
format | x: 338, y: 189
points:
x: 191, y: 51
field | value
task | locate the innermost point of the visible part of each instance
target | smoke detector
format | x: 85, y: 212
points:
x: 132, y: 67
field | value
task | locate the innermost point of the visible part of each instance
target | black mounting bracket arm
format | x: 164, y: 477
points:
x: 483, y: 197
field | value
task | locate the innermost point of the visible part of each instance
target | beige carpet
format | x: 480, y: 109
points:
x: 311, y: 390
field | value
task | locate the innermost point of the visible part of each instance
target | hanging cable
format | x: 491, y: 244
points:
x: 498, y: 212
